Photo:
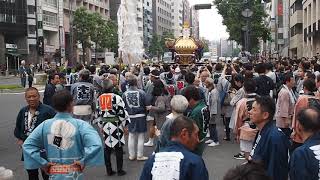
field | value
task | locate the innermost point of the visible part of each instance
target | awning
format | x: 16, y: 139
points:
x: 13, y: 54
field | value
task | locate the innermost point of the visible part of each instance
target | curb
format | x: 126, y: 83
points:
x: 13, y: 91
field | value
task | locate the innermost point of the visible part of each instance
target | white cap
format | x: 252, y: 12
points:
x: 177, y: 70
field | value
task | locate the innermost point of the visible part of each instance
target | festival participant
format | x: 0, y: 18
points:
x: 159, y: 110
x: 50, y: 89
x: 28, y: 119
x: 70, y: 144
x: 151, y: 99
x: 112, y: 120
x: 308, y: 99
x: 265, y: 84
x: 304, y: 161
x: 271, y: 145
x: 199, y: 114
x: 243, y: 129
x: 214, y: 105
x: 285, y: 105
x: 179, y: 105
x: 135, y: 104
x: 83, y: 97
x: 176, y: 161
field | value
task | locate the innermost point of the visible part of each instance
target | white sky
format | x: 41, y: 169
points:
x: 211, y: 26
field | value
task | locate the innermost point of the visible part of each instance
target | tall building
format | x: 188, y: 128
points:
x: 194, y: 23
x: 13, y: 32
x: 296, y: 29
x: 69, y: 6
x: 50, y: 27
x: 311, y: 27
x: 282, y: 18
x: 147, y: 23
x: 177, y: 13
x: 186, y: 11
x: 162, y: 16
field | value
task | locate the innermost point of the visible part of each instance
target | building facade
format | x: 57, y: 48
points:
x: 177, y: 13
x: 162, y: 16
x: 194, y: 23
x: 147, y: 23
x: 311, y: 27
x: 296, y: 29
x: 13, y: 33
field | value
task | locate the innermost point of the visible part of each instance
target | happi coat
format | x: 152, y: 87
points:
x: 65, y: 140
x: 174, y: 162
x: 112, y: 118
x: 305, y: 160
x: 135, y: 103
x: 23, y: 129
x: 271, y: 148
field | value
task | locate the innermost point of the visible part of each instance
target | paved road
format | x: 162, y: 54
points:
x: 218, y: 159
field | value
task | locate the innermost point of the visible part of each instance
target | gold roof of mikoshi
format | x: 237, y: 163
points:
x: 185, y: 45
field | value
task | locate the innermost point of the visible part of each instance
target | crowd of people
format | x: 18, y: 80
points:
x: 270, y: 108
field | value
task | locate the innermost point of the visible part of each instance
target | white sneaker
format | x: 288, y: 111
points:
x: 209, y: 141
x: 148, y: 144
x: 213, y: 144
x: 143, y: 158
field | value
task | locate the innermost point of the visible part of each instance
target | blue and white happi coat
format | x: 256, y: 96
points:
x: 65, y: 140
x: 112, y: 118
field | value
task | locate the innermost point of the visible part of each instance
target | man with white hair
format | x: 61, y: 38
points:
x: 23, y: 73
x: 179, y: 105
x: 83, y: 96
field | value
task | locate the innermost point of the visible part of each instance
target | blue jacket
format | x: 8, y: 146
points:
x: 305, y: 160
x: 271, y: 149
x: 45, y: 112
x: 175, y: 162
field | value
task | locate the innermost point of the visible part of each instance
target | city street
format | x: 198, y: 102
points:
x: 218, y: 159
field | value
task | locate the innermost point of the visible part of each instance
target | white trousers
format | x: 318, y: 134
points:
x: 132, y: 144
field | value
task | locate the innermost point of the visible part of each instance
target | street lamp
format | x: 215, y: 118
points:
x: 247, y: 13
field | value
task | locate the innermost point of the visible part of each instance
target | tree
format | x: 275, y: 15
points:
x: 231, y: 10
x: 91, y: 27
x: 155, y: 46
x: 83, y: 25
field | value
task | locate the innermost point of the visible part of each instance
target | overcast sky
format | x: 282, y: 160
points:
x: 211, y: 27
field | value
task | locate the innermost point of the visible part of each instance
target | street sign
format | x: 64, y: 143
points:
x: 11, y: 47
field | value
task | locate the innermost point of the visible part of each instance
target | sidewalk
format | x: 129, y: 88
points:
x: 21, y: 90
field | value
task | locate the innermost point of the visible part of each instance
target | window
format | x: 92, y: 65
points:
x: 2, y: 17
x: 32, y: 29
x: 31, y: 9
x: 50, y: 19
x: 53, y: 3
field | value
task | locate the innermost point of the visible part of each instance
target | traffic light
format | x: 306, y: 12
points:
x: 40, y: 46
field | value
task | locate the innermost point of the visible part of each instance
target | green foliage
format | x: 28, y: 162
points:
x: 206, y: 47
x: 91, y: 27
x: 231, y: 10
x: 157, y: 45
